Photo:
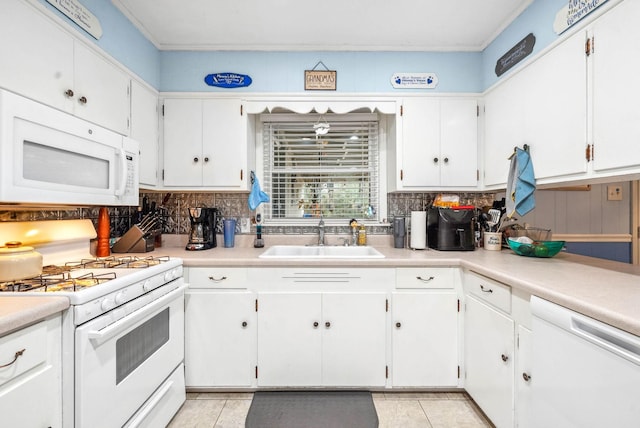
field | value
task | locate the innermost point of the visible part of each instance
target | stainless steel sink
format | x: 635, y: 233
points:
x: 317, y: 252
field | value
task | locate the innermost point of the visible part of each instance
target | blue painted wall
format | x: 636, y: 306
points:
x: 617, y: 251
x: 367, y: 72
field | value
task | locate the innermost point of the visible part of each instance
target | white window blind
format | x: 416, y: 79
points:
x: 335, y: 174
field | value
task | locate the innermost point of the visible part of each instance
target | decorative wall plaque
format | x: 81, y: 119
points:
x: 80, y: 15
x: 516, y: 54
x: 320, y: 80
x: 228, y: 80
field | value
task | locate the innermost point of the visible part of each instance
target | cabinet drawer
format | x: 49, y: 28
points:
x: 217, y: 278
x: 425, y: 278
x: 493, y: 292
x: 33, y: 340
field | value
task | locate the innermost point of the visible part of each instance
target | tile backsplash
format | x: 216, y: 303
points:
x: 175, y: 216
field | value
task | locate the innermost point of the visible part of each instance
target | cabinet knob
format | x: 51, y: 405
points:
x: 316, y: 324
x: 68, y: 93
x: 435, y: 160
x: 206, y: 159
x: 196, y: 159
x: 446, y: 160
x: 244, y: 324
x: 82, y: 100
x: 526, y: 377
x: 398, y: 324
x: 327, y: 324
x: 505, y: 358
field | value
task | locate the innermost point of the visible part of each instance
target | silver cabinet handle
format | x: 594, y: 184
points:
x: 214, y: 279
x: 419, y: 278
x: 486, y: 290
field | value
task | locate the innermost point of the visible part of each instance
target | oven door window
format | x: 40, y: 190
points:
x: 135, y: 347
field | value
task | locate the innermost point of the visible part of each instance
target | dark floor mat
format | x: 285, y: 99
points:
x: 312, y: 409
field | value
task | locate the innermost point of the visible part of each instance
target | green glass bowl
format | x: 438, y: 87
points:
x: 537, y: 248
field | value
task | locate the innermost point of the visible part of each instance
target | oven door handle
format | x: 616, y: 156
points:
x: 100, y: 336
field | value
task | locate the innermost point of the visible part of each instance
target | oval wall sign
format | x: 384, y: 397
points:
x: 227, y: 80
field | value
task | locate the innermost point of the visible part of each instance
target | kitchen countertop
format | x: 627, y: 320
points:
x: 17, y: 312
x: 602, y: 289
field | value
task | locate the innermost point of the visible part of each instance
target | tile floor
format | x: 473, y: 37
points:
x: 395, y: 410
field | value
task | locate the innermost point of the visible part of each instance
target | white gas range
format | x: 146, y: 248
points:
x: 123, y: 335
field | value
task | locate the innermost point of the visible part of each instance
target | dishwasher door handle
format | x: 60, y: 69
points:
x: 608, y: 338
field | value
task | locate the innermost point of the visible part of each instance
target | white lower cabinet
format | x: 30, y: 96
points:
x: 322, y: 339
x: 489, y: 349
x: 425, y: 318
x: 523, y: 377
x: 220, y: 324
x: 30, y: 379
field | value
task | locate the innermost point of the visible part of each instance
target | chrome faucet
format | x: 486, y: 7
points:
x: 321, y: 231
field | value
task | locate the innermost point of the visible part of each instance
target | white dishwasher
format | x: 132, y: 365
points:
x: 584, y: 373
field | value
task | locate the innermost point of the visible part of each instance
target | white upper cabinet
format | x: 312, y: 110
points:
x: 144, y: 129
x: 437, y: 144
x: 37, y: 59
x: 615, y: 62
x: 42, y: 61
x: 545, y: 107
x: 555, y: 110
x: 205, y: 144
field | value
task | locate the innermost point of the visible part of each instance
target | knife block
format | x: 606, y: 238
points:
x: 134, y: 241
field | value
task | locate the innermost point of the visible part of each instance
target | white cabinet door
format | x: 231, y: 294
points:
x: 555, y: 111
x: 420, y: 143
x: 439, y: 143
x: 425, y: 339
x: 183, y: 142
x: 289, y: 339
x: 353, y: 339
x: 504, y: 124
x: 523, y: 378
x: 37, y: 56
x: 489, y: 355
x: 101, y: 90
x: 220, y: 338
x: 224, y: 143
x: 616, y: 118
x: 144, y: 129
x: 458, y: 143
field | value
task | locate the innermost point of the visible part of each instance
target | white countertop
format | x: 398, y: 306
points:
x: 19, y: 311
x: 602, y: 289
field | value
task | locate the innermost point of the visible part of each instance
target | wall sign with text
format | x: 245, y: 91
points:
x: 80, y: 15
x: 520, y: 51
x: 414, y: 80
x: 320, y: 80
x: 227, y: 80
x: 573, y: 12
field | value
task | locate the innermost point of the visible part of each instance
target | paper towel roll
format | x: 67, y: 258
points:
x: 418, y: 230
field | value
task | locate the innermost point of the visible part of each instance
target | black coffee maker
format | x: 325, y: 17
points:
x: 203, y: 228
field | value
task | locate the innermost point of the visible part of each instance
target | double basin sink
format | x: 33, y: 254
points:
x: 320, y: 252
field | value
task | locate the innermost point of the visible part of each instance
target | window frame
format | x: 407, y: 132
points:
x: 383, y: 127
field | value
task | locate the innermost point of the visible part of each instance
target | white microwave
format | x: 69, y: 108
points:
x: 48, y: 157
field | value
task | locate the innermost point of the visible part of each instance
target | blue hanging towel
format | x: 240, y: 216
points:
x: 521, y: 184
x: 256, y: 196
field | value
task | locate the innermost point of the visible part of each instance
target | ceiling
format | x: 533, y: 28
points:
x: 325, y: 25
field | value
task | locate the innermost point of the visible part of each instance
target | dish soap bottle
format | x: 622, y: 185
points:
x: 362, y: 236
